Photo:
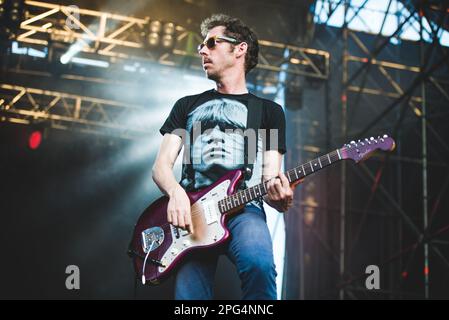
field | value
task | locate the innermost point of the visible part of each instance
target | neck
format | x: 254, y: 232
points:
x: 232, y: 83
x: 242, y: 197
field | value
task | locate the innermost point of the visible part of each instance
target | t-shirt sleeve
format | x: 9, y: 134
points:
x: 176, y: 119
x: 275, y: 119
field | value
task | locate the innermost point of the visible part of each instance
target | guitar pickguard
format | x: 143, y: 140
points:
x: 206, y: 220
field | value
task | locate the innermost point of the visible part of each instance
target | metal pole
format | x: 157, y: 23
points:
x: 424, y: 162
x: 344, y: 105
x: 399, y: 167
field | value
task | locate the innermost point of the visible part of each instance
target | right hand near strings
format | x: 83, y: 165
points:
x: 178, y: 210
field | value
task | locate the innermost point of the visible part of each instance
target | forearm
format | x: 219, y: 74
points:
x: 178, y: 208
x: 164, y: 178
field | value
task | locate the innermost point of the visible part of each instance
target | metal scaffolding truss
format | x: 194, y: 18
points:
x: 416, y: 103
x: 121, y: 37
x: 60, y: 110
x: 396, y: 92
x: 356, y: 78
x: 119, y: 40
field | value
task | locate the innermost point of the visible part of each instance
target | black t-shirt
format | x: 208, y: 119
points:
x: 212, y: 121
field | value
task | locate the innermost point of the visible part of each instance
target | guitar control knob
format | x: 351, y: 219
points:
x: 186, y: 243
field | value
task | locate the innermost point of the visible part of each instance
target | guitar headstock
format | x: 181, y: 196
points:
x: 362, y: 149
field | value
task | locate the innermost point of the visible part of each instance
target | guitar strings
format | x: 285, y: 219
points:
x: 192, y: 214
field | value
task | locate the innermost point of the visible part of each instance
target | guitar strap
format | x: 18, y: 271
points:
x: 254, y: 122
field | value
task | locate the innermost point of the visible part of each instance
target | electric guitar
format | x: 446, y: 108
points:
x: 157, y: 246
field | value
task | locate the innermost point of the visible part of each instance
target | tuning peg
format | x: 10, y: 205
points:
x: 352, y: 142
x: 385, y: 136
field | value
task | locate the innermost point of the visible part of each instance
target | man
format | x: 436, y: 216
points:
x: 229, y: 52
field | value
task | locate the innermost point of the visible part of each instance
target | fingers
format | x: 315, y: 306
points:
x: 285, y: 185
x: 272, y: 190
x: 180, y: 217
x: 280, y: 190
x: 188, y: 222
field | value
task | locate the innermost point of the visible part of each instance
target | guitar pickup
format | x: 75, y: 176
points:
x: 210, y: 212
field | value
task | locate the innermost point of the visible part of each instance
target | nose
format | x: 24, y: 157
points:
x: 216, y: 136
x: 203, y: 51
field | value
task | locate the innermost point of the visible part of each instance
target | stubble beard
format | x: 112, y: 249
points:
x: 214, y: 76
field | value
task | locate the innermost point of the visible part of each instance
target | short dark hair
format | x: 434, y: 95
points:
x: 236, y: 29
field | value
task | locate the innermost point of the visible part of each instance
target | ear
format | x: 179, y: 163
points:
x: 241, y: 49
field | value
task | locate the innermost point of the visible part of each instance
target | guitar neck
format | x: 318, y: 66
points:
x: 245, y: 196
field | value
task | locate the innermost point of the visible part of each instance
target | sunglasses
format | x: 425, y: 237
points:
x: 212, y: 41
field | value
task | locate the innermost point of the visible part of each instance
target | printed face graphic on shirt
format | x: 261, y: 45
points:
x: 220, y: 146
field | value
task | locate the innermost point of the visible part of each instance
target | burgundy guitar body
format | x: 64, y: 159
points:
x: 170, y: 244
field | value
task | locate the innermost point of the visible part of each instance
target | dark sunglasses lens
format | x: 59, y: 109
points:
x: 210, y: 43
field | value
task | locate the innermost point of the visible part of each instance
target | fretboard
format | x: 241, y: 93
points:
x: 243, y: 197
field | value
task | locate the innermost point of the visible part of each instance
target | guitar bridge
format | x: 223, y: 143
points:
x: 152, y: 238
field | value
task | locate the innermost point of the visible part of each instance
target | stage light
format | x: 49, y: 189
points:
x: 14, y: 15
x: 2, y: 8
x: 90, y: 62
x: 153, y: 39
x: 64, y: 59
x: 35, y: 139
x: 167, y: 41
x: 161, y: 36
x: 11, y: 14
x: 73, y: 50
x: 155, y: 26
x: 169, y: 28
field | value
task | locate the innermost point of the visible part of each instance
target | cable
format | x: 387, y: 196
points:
x: 145, y: 262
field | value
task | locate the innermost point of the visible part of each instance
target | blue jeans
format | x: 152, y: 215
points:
x: 249, y: 248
